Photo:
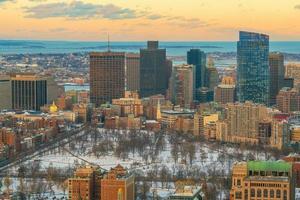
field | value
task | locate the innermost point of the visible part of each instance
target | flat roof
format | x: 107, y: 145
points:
x: 279, y: 166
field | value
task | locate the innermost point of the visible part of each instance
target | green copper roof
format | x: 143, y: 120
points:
x: 279, y: 166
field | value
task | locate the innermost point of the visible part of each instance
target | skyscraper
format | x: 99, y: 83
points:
x: 153, y: 70
x: 198, y: 58
x: 211, y: 76
x: 133, y: 72
x: 253, y: 67
x: 107, y: 76
x: 182, y: 85
x: 276, y: 62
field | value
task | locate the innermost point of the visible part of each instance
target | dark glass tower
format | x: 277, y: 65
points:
x: 197, y: 58
x: 276, y: 61
x: 153, y: 70
x: 253, y: 67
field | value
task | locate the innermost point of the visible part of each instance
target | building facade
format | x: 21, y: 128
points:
x: 262, y: 180
x: 288, y: 100
x: 107, y: 76
x: 153, y: 70
x: 182, y: 85
x: 276, y: 62
x: 253, y: 67
x: 197, y: 58
x: 132, y: 72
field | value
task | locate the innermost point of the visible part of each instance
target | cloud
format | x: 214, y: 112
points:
x: 80, y: 10
x: 191, y: 23
x: 155, y: 16
x: 297, y: 6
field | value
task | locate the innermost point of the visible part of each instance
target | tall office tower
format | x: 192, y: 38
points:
x: 153, y: 70
x: 288, y: 100
x: 169, y: 65
x: 182, y: 85
x: 133, y: 72
x: 107, y: 76
x: 211, y: 76
x: 276, y: 62
x: 253, y: 67
x: 198, y: 58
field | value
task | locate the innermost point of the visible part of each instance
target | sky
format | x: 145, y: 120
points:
x: 140, y: 20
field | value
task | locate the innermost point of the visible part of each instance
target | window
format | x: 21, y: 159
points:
x: 265, y: 193
x: 278, y: 194
x: 246, y: 194
x: 238, y: 195
x: 252, y: 192
x: 272, y: 193
x: 238, y: 182
x: 258, y: 192
x: 284, y: 195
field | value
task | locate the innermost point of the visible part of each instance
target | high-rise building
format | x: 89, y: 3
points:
x: 27, y: 91
x: 276, y: 62
x: 204, y: 95
x: 107, y: 76
x: 253, y: 67
x: 182, y: 85
x: 211, y: 75
x: 197, y: 58
x: 224, y: 94
x: 153, y: 70
x: 242, y: 122
x: 262, y: 180
x: 133, y: 72
x: 288, y: 100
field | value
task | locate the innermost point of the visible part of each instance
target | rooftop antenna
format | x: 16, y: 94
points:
x: 108, y: 43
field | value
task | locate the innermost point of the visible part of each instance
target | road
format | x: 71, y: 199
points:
x: 60, y: 140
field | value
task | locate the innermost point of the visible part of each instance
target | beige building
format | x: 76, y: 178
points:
x: 225, y: 94
x: 288, y: 100
x: 257, y: 180
x: 242, y: 121
x: 182, y: 85
x: 130, y: 104
x: 292, y: 70
x: 201, y: 120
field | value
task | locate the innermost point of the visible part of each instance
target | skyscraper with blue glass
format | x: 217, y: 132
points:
x: 197, y: 58
x: 253, y: 67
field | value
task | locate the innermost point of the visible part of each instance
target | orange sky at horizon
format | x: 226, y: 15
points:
x: 139, y: 20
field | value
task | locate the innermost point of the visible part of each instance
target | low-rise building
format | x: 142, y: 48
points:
x: 262, y: 180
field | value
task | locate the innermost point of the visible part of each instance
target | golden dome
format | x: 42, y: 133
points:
x: 53, y: 108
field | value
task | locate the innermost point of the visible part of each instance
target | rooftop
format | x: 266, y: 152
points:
x: 279, y: 166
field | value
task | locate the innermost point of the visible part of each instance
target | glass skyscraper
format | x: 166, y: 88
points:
x: 253, y: 67
x: 197, y: 58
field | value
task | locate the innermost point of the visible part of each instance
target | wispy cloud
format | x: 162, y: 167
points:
x: 297, y: 6
x: 80, y: 10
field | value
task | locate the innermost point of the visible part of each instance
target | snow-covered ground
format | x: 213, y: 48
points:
x: 208, y: 157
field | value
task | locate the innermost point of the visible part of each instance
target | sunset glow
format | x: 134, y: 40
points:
x: 174, y: 20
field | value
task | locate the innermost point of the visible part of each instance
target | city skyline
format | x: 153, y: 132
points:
x: 134, y: 20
